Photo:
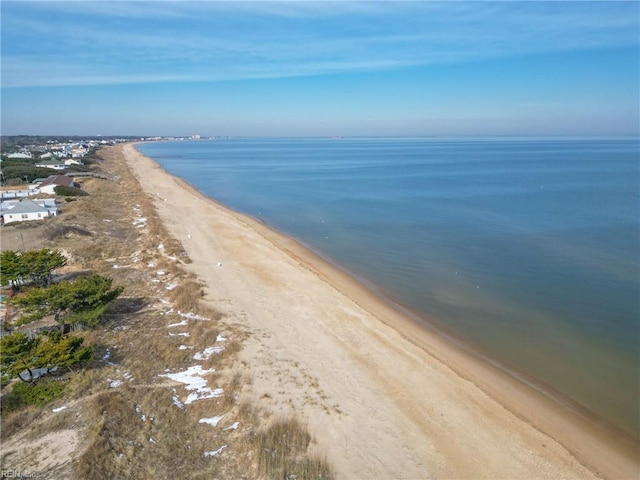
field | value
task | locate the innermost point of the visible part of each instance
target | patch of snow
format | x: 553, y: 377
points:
x: 192, y: 378
x: 215, y: 452
x: 207, y: 352
x: 171, y: 286
x: 182, y: 334
x: 106, y: 356
x: 220, y: 338
x: 234, y: 426
x: 152, y: 440
x: 161, y: 272
x: 179, y: 324
x: 213, y: 421
x: 59, y: 409
x: 143, y: 417
x: 176, y: 401
x: 192, y: 316
x: 184, y: 347
x: 115, y: 383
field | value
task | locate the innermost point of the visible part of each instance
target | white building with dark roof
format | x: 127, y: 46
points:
x: 54, y: 181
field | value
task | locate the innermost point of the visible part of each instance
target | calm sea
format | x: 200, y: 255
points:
x: 527, y: 248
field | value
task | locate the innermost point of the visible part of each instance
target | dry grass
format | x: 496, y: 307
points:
x: 14, y: 421
x: 282, y: 452
x: 136, y: 430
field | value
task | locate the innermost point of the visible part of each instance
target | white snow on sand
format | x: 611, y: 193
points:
x: 213, y: 421
x: 179, y: 324
x: 176, y: 401
x: 215, y: 452
x: 192, y: 316
x: 207, y: 352
x: 192, y: 378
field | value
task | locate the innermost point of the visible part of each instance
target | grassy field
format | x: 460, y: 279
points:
x: 123, y: 416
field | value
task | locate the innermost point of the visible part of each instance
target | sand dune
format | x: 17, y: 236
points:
x: 384, y: 397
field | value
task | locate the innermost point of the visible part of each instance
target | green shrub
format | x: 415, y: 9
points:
x: 38, y: 394
x: 65, y: 191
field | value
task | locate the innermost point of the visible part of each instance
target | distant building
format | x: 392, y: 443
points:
x: 19, y: 155
x: 50, y: 183
x: 28, y: 210
x: 17, y: 191
x: 53, y: 164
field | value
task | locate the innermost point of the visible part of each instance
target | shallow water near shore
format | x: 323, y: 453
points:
x: 527, y: 248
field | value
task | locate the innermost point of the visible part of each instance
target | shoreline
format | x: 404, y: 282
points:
x: 595, y: 445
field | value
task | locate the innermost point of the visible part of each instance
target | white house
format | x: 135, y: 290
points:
x: 19, y: 155
x: 54, y: 164
x: 53, y: 181
x: 27, y: 210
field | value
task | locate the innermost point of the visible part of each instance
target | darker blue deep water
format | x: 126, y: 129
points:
x: 526, y: 248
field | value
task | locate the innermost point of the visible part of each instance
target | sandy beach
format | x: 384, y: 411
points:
x: 383, y: 396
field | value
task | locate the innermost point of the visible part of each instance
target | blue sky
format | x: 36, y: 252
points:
x: 320, y: 68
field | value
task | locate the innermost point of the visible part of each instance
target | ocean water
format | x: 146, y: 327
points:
x: 528, y: 249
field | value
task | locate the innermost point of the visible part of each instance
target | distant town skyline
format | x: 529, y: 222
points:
x: 327, y: 68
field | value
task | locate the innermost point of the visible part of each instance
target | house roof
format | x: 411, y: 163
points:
x: 26, y: 206
x: 58, y: 180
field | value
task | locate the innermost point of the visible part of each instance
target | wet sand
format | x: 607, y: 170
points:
x: 384, y: 396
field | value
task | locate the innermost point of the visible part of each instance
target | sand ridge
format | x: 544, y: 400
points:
x: 383, y: 398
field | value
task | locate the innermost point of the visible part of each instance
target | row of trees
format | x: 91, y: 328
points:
x: 82, y: 300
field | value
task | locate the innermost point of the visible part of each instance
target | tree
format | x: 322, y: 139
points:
x: 9, y: 268
x: 34, y: 266
x: 38, y: 265
x: 14, y: 354
x: 82, y: 300
x: 22, y: 356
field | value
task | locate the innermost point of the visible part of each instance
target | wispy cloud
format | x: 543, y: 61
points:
x: 100, y: 43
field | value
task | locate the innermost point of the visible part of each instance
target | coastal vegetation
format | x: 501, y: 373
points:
x: 79, y: 301
x: 21, y: 171
x: 33, y: 266
x: 107, y: 266
x: 63, y: 190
